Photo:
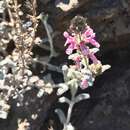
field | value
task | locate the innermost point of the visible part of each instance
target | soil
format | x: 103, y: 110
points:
x: 109, y: 105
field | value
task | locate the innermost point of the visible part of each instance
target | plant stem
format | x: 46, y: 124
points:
x: 52, y: 50
x: 69, y: 112
x: 34, y: 20
x: 71, y: 105
x: 84, y: 57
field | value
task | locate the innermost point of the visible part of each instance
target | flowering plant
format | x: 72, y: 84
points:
x: 81, y: 48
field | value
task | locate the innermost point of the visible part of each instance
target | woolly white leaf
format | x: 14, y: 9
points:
x: 73, y: 88
x: 66, y: 7
x: 61, y: 115
x: 3, y: 114
x: 7, y: 61
x: 72, y: 56
x: 64, y: 100
x: 64, y: 68
x: 105, y: 67
x: 2, y: 7
x: 81, y: 97
x: 69, y: 127
x: 94, y: 50
x: 62, y: 88
x: 40, y: 93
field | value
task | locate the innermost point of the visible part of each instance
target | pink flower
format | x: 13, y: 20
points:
x: 77, y: 60
x: 84, y: 84
x: 89, y: 37
x: 70, y: 42
x: 84, y: 49
x: 86, y: 52
x: 94, y: 42
x: 93, y: 58
x: 66, y: 34
x: 89, y: 32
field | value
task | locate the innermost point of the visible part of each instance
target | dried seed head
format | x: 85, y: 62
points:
x: 78, y: 24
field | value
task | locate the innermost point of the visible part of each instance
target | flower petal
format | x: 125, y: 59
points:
x: 84, y: 49
x: 93, y: 58
x: 70, y: 49
x: 84, y: 84
x: 94, y: 42
x: 66, y: 34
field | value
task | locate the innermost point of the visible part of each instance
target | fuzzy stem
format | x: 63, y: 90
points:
x: 52, y: 50
x: 69, y: 113
x: 84, y: 57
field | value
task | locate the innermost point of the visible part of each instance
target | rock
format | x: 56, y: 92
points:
x: 108, y: 107
x: 109, y: 18
x: 34, y: 110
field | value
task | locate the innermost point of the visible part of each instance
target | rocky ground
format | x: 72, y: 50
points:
x: 109, y: 105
